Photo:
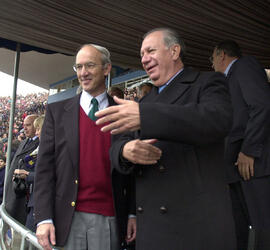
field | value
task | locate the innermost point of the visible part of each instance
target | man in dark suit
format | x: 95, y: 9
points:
x: 16, y: 204
x: 182, y: 198
x: 247, y: 151
x: 79, y: 202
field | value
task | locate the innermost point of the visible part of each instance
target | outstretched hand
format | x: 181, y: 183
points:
x: 123, y: 117
x: 142, y: 152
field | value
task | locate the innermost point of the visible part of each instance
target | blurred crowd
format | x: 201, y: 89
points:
x: 25, y: 105
x: 134, y: 94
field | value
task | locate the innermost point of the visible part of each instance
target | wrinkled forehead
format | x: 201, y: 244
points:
x: 27, y: 121
x: 88, y: 54
x: 152, y: 40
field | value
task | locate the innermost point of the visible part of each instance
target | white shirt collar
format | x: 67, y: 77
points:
x: 85, y: 101
x: 228, y: 67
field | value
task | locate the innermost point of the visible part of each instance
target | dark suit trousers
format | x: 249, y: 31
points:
x: 251, y: 207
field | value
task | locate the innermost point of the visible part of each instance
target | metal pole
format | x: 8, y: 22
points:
x: 109, y: 81
x: 12, y: 112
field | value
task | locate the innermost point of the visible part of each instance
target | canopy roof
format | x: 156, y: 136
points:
x: 63, y: 26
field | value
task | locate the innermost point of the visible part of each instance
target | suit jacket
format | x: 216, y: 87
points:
x: 250, y: 133
x: 57, y: 171
x: 183, y: 201
x: 15, y: 206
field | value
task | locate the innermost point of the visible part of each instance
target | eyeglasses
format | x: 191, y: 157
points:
x: 87, y: 66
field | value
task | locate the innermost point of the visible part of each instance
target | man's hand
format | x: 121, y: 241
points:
x: 46, y: 235
x: 131, y: 230
x: 21, y: 172
x: 245, y: 165
x: 142, y: 152
x: 122, y: 117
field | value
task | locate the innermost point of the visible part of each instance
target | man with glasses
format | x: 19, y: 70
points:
x: 80, y: 202
x: 247, y: 150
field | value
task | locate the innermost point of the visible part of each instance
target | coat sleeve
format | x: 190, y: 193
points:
x: 118, y: 142
x: 45, y: 171
x: 203, y: 118
x: 256, y: 93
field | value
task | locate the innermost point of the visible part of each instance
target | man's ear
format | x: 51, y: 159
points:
x: 107, y: 69
x: 175, y: 51
x: 222, y: 55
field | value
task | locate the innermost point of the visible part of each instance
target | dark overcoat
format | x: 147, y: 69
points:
x: 250, y: 133
x: 183, y: 202
x: 57, y: 172
x: 16, y: 206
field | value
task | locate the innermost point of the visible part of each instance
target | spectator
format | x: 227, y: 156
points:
x: 2, y: 175
x: 28, y: 174
x: 176, y: 150
x: 15, y: 202
x: 144, y: 89
x: 75, y: 205
x: 115, y: 91
x: 247, y: 150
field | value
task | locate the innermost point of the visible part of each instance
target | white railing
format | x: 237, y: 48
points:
x: 15, y: 236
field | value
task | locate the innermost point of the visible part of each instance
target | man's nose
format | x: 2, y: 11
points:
x: 145, y: 59
x: 84, y: 71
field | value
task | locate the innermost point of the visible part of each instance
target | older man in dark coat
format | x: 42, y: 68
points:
x: 16, y: 204
x: 182, y: 199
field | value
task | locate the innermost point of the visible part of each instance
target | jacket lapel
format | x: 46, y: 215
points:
x: 28, y: 148
x: 71, y: 127
x: 179, y: 85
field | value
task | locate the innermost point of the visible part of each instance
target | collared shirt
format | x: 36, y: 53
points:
x: 34, y: 138
x: 228, y: 67
x: 85, y: 101
x: 166, y: 84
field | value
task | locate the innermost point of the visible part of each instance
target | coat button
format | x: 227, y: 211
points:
x: 76, y: 181
x: 73, y: 203
x: 163, y: 210
x: 140, y: 209
x: 161, y: 168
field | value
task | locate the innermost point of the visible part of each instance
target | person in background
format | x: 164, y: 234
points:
x: 115, y: 91
x: 28, y: 173
x: 15, y: 202
x: 176, y: 150
x: 80, y: 202
x: 144, y: 89
x: 2, y: 175
x: 247, y: 151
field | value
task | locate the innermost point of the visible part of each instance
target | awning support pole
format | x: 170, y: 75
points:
x: 12, y: 112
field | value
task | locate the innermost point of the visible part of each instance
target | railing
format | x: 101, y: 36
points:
x: 15, y: 236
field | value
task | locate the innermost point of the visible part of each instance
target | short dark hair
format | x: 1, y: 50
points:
x: 230, y: 47
x: 171, y: 37
x: 116, y: 91
x: 2, y: 157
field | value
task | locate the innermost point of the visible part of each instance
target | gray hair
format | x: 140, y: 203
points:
x: 170, y: 37
x: 105, y: 54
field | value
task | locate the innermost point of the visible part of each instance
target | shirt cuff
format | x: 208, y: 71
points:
x: 50, y: 221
